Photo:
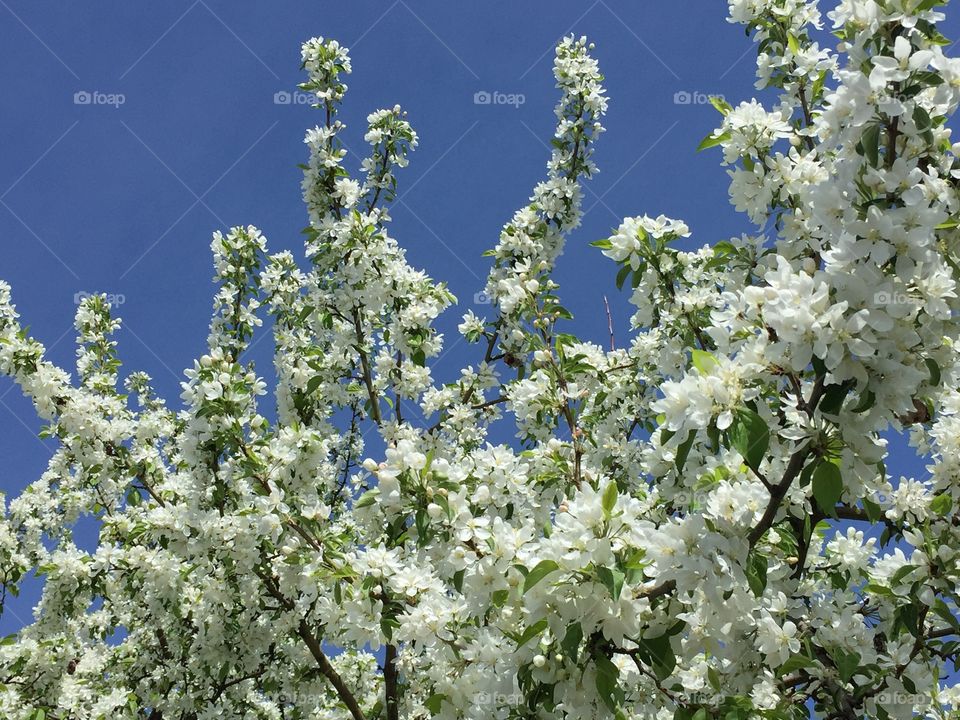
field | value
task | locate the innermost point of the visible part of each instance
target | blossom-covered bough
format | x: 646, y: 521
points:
x: 696, y: 525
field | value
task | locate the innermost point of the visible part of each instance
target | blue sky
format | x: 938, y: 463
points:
x: 183, y: 134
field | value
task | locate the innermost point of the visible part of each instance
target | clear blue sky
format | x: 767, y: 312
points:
x: 122, y: 197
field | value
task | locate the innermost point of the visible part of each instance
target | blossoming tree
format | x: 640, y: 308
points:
x: 696, y: 525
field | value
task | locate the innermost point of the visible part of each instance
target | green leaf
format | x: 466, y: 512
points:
x: 313, y: 383
x: 900, y: 574
x: 612, y: 580
x: 909, y: 617
x: 750, y: 436
x: 796, y: 662
x: 827, y: 487
x: 714, y: 678
x: 757, y: 572
x: 942, y: 504
x: 847, y: 663
x: 712, y: 140
x: 941, y: 609
x: 608, y: 676
x: 873, y: 510
x: 702, y: 360
x: 532, y: 632
x: 923, y: 123
x: 658, y: 653
x: 434, y: 702
x: 609, y: 499
x: 870, y: 142
x: 793, y: 43
x: 387, y: 626
x: 934, y: 369
x: 833, y: 398
x: 721, y: 105
x: 867, y: 401
x: 571, y: 641
x: 367, y: 499
x: 684, y: 450
x: 543, y: 568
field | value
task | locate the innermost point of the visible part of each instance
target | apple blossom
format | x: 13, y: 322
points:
x: 696, y: 524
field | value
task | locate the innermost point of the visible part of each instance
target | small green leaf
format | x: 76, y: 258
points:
x: 532, y: 632
x: 712, y: 140
x: 923, y: 123
x: 796, y: 662
x: 934, y: 369
x: 909, y: 617
x: 721, y: 105
x: 833, y: 398
x: 434, y: 702
x: 612, y: 580
x: 757, y: 572
x: 870, y: 142
x: 714, y: 678
x: 571, y: 641
x: 609, y: 499
x: 847, y: 664
x: 658, y: 652
x: 941, y: 609
x: 542, y: 569
x: 367, y: 499
x: 873, y: 510
x: 684, y: 450
x: 867, y: 401
x: 750, y: 436
x: 702, y: 360
x: 942, y: 504
x: 900, y: 574
x: 313, y: 383
x: 608, y: 676
x: 827, y: 487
